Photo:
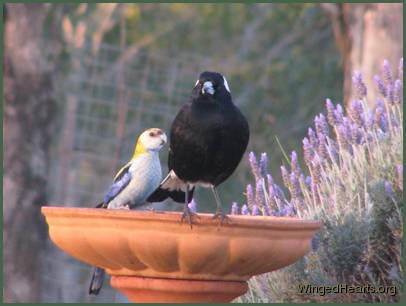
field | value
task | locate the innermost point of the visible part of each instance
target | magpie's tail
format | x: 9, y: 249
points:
x: 171, y: 187
x: 97, y: 281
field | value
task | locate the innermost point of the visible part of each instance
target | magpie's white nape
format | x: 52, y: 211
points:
x: 226, y: 84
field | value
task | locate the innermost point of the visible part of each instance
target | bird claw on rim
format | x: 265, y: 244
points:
x: 222, y: 216
x: 124, y: 207
x: 187, y: 213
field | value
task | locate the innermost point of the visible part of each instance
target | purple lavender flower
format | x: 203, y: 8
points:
x: 332, y: 143
x: 286, y: 211
x: 330, y: 112
x: 398, y: 95
x: 259, y: 194
x: 312, y: 138
x: 308, y: 182
x: 294, y: 186
x: 347, y: 123
x: 255, y: 210
x: 254, y: 165
x: 323, y: 124
x: 387, y: 72
x: 295, y: 164
x: 332, y: 152
x: 380, y: 117
x: 272, y: 196
x: 322, y: 149
x: 234, y: 208
x: 356, y: 134
x: 381, y: 86
x: 369, y: 119
x: 399, y: 172
x: 285, y: 176
x: 338, y: 113
x: 359, y: 85
x: 308, y: 152
x: 316, y: 170
x: 279, y: 192
x: 264, y: 164
x: 319, y: 127
x: 315, y: 191
x: 271, y: 192
x: 391, y: 93
x: 192, y: 206
x: 355, y: 112
x: 379, y: 103
x: 343, y: 137
x: 388, y: 189
x: 244, y: 210
x: 400, y: 69
x: 250, y: 195
x: 383, y: 123
x: 270, y: 180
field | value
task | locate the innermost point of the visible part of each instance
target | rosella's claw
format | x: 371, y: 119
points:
x: 125, y: 207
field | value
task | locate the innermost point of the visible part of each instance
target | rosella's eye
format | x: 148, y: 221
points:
x: 152, y: 134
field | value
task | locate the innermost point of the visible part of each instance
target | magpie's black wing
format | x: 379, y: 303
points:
x: 193, y: 135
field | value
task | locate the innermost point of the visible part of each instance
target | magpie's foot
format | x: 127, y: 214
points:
x: 188, y: 214
x: 222, y: 216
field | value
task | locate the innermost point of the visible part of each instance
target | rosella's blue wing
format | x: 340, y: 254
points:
x: 121, y: 180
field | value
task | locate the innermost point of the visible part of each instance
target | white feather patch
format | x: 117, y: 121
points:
x: 197, y: 82
x: 226, y: 84
x: 172, y: 182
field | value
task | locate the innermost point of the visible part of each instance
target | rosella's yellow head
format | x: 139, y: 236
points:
x: 150, y: 140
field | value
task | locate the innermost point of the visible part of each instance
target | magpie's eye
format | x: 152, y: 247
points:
x: 152, y: 134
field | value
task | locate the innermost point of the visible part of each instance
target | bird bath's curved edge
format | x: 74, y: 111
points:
x: 157, y: 244
x: 174, y: 217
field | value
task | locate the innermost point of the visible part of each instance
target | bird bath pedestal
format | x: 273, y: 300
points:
x: 152, y: 257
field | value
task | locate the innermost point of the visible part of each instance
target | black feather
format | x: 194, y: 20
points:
x: 207, y: 139
x: 161, y: 194
x: 208, y: 136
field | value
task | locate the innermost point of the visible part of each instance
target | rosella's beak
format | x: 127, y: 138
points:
x: 164, y: 139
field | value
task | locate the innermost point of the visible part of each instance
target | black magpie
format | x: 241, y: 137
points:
x: 207, y: 141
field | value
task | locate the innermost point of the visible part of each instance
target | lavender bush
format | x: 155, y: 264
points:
x: 353, y: 182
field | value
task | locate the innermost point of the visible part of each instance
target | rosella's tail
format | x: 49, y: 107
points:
x: 97, y: 281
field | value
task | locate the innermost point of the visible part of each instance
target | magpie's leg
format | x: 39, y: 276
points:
x: 186, y: 211
x: 219, y: 211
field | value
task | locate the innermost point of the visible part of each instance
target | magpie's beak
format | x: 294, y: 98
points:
x: 208, y: 88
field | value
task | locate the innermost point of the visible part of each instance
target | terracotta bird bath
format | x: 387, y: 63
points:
x: 152, y: 257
